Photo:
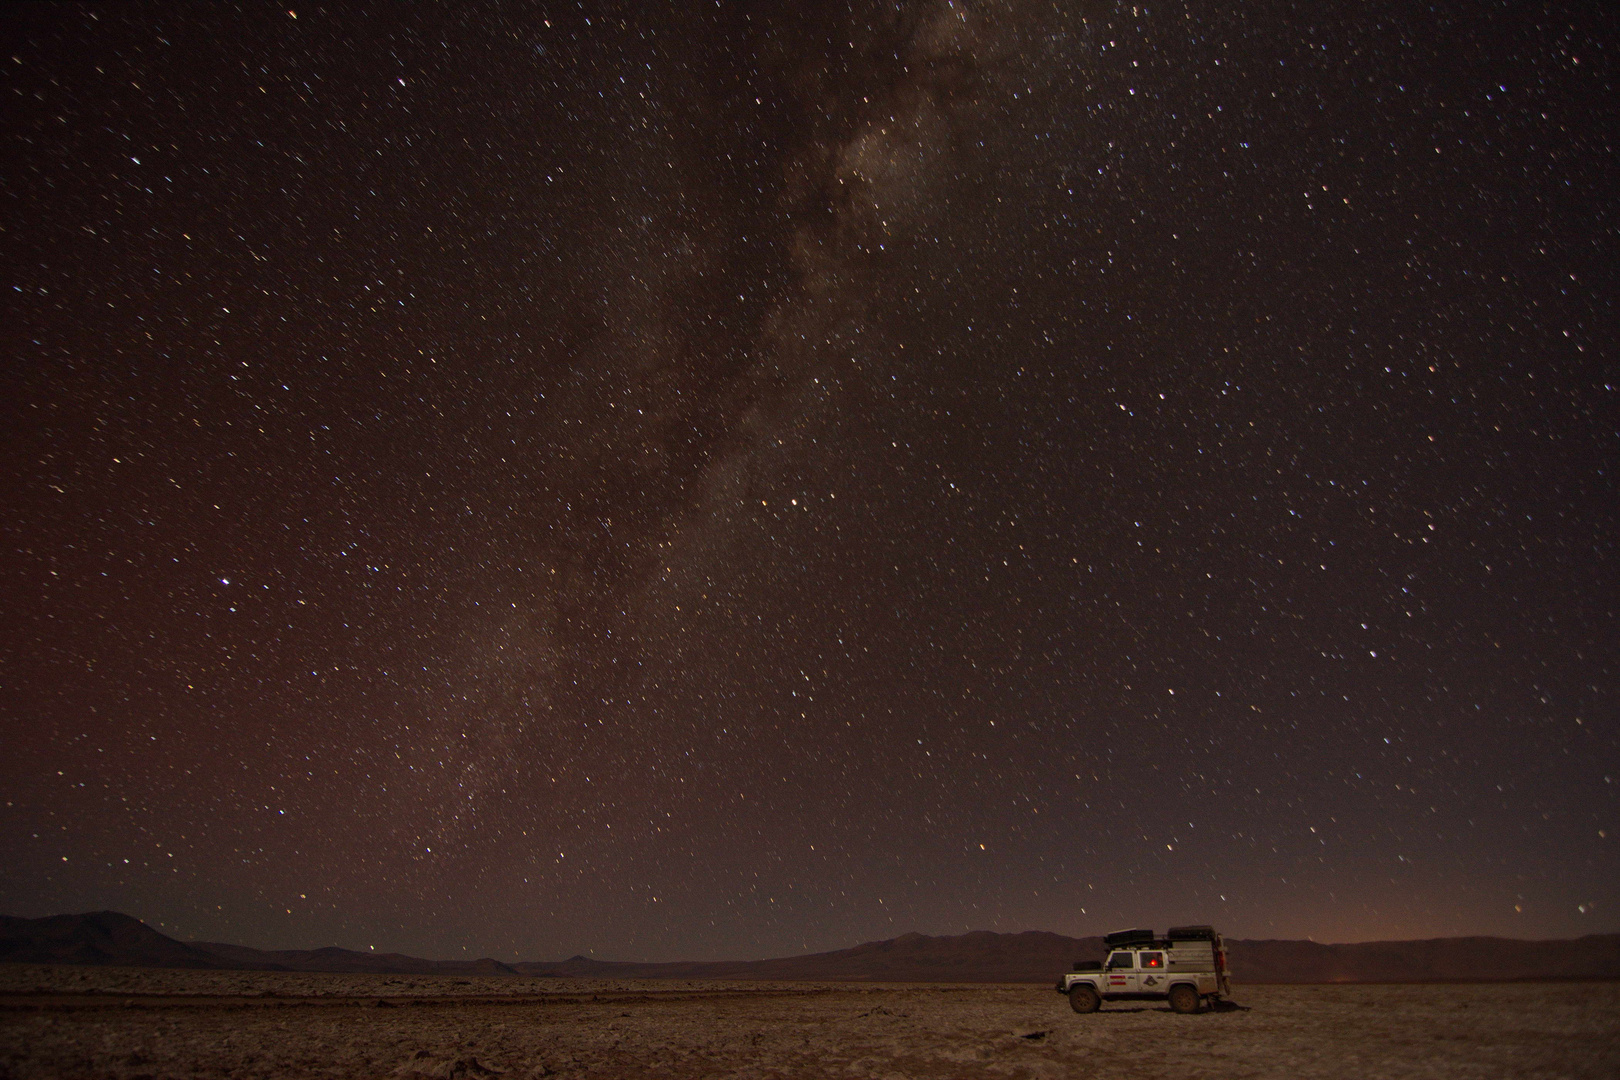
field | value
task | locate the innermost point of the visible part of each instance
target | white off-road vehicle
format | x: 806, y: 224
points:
x: 1186, y: 967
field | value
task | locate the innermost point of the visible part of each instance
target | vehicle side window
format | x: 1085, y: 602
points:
x: 1121, y: 960
x: 1153, y: 960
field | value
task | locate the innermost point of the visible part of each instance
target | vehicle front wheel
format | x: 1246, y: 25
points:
x: 1083, y: 999
x: 1184, y: 999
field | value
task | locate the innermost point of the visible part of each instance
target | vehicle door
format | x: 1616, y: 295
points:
x: 1119, y: 973
x: 1152, y: 972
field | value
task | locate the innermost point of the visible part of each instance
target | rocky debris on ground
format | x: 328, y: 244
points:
x: 424, y: 1065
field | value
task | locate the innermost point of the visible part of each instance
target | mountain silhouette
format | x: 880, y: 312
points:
x: 102, y: 938
x: 1034, y: 956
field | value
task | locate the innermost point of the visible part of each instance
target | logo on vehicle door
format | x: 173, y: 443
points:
x: 1151, y: 980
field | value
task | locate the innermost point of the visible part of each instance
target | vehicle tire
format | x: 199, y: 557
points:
x: 1083, y: 999
x: 1184, y: 999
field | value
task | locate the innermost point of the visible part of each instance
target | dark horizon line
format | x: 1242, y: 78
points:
x: 800, y: 956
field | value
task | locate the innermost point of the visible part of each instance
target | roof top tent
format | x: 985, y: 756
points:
x: 1126, y: 938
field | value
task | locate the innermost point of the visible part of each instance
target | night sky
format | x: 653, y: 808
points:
x: 720, y: 480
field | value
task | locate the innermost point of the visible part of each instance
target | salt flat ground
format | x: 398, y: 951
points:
x: 127, y: 1023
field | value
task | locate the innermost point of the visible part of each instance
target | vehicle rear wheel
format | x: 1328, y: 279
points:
x: 1184, y: 999
x: 1083, y: 999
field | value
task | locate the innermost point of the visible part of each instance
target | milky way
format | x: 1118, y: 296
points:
x: 726, y: 482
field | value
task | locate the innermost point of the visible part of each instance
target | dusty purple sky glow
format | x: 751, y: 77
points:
x: 517, y: 481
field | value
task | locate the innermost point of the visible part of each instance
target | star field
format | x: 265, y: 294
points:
x: 723, y: 481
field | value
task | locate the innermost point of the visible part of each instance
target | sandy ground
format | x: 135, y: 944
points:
x: 77, y: 1022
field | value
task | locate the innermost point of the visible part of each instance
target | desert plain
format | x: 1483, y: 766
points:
x: 127, y: 1023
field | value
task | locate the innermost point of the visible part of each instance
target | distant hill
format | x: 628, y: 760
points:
x: 333, y: 958
x: 1034, y: 956
x: 111, y: 938
x: 100, y: 937
x: 980, y: 956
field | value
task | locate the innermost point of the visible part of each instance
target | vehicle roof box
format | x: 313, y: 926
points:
x: 1128, y: 937
x: 1190, y: 933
